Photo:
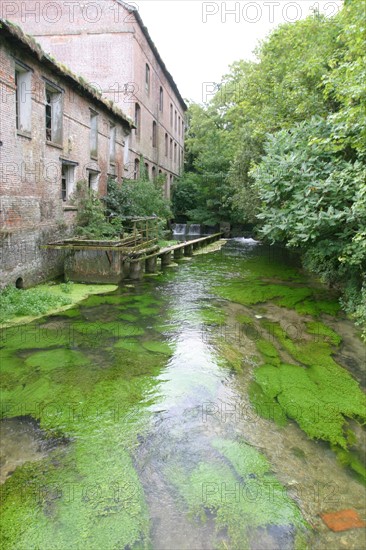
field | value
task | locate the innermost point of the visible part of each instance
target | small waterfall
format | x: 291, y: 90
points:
x: 179, y: 229
x: 194, y: 229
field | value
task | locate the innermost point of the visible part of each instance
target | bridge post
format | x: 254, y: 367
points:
x: 136, y: 271
x: 150, y: 265
x: 178, y: 253
x: 188, y: 250
x: 166, y: 259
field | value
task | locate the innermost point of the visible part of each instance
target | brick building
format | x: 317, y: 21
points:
x: 106, y: 42
x: 55, y: 130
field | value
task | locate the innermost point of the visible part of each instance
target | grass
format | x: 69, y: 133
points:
x: 17, y: 305
x: 15, y: 302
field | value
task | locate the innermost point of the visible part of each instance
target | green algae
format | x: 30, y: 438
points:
x: 268, y: 350
x: 265, y: 406
x: 56, y: 358
x: 72, y: 393
x: 130, y: 317
x: 238, y: 489
x: 158, y: 347
x: 213, y: 315
x: 323, y: 332
x: 229, y: 356
x: 72, y: 313
x: 244, y: 319
x: 250, y: 292
x: 350, y: 459
x: 317, y: 393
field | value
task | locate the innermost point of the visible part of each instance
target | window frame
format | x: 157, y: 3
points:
x: 54, y: 132
x: 147, y: 78
x: 137, y: 120
x: 23, y: 90
x: 161, y: 99
x: 94, y: 131
x: 154, y: 134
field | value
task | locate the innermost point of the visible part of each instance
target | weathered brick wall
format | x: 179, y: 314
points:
x: 32, y: 212
x: 103, y: 42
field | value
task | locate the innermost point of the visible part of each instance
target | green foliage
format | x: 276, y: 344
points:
x: 91, y: 222
x: 15, y: 302
x: 141, y: 197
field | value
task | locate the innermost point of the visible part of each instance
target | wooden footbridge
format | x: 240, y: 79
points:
x: 92, y: 261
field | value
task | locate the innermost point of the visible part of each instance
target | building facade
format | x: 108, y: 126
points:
x: 106, y: 42
x: 54, y: 132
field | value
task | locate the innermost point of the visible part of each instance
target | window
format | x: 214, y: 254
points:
x: 166, y: 145
x: 179, y: 125
x: 171, y: 149
x: 182, y: 128
x: 67, y: 180
x: 137, y: 119
x: 153, y: 172
x: 54, y: 101
x: 147, y: 170
x: 175, y: 120
x: 93, y: 179
x: 171, y: 115
x: 23, y: 98
x: 147, y: 78
x: 136, y: 173
x: 112, y: 143
x: 93, y: 134
x: 161, y: 99
x: 175, y: 152
x: 154, y: 134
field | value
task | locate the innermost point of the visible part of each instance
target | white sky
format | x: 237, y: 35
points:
x: 198, y: 40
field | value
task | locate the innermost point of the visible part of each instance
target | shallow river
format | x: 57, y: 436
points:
x: 218, y: 404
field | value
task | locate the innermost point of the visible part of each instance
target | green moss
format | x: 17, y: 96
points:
x: 350, y: 459
x: 56, y: 358
x: 213, y: 315
x: 229, y: 356
x: 244, y: 319
x: 255, y: 292
x: 268, y: 350
x: 265, y: 406
x: 319, y: 395
x: 89, y: 492
x: 316, y: 307
x: 323, y: 332
x: 238, y: 490
x: 130, y: 317
x: 158, y: 347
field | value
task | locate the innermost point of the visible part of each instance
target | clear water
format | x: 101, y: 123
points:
x: 160, y: 445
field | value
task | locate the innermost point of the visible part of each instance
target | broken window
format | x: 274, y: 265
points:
x: 93, y: 134
x: 23, y: 98
x: 67, y: 180
x: 54, y: 108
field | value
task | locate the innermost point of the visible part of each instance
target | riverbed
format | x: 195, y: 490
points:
x: 216, y: 405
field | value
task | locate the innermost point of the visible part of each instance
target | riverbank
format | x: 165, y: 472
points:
x: 19, y: 307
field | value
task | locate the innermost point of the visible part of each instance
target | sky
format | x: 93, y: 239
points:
x: 198, y: 40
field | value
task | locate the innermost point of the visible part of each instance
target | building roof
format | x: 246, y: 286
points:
x: 27, y: 43
x: 154, y: 49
